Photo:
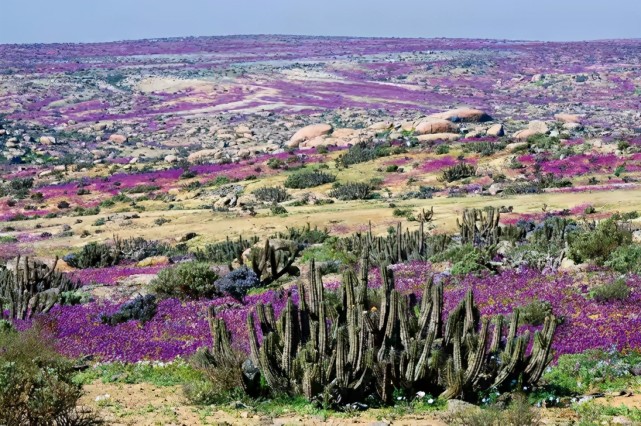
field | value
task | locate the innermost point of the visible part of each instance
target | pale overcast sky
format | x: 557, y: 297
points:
x: 48, y: 21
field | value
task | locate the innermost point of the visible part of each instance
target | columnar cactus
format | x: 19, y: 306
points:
x: 480, y: 227
x: 396, y: 248
x: 348, y: 347
x: 31, y: 287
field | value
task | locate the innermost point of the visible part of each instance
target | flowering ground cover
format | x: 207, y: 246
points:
x: 180, y: 327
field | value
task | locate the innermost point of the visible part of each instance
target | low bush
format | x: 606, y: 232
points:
x: 534, y: 313
x: 442, y: 149
x: 457, y: 172
x: 142, y: 308
x: 518, y: 413
x: 610, y: 292
x: 238, y: 282
x: 271, y: 194
x: 597, y: 245
x: 351, y: 191
x: 278, y: 210
x: 94, y: 255
x: 187, y: 280
x: 308, y: 179
x: 363, y: 152
x: 36, y: 383
x: 625, y: 259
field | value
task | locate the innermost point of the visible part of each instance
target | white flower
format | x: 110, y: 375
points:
x: 420, y: 394
x: 430, y: 401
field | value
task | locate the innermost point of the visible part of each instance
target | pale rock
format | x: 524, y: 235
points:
x: 496, y: 130
x: 309, y: 132
x: 202, y: 155
x: 434, y: 126
x: 439, y: 137
x: 567, y: 118
x: 381, y: 125
x: 118, y: 139
x: 465, y: 115
x: 47, y: 140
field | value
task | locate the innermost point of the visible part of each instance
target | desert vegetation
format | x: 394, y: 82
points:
x: 326, y: 240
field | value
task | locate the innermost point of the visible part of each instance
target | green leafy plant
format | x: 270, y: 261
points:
x: 186, y: 280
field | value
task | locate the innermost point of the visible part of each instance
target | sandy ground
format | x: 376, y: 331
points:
x: 340, y: 217
x: 144, y: 404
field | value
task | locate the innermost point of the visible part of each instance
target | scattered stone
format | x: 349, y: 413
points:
x: 439, y: 137
x: 309, y: 132
x: 464, y: 115
x: 118, y: 139
x: 153, y: 261
x: 435, y: 126
x: 496, y: 130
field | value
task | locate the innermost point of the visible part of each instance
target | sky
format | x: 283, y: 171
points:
x: 49, y: 21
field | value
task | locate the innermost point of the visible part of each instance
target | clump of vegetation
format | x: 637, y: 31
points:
x: 37, y: 383
x: 535, y: 312
x: 298, y: 343
x: 518, y: 413
x: 610, y: 292
x: 277, y: 210
x: 94, y: 255
x: 597, y: 245
x: 187, y: 280
x: 238, y: 282
x: 225, y: 251
x: 31, y: 287
x: 351, y: 191
x: 304, y: 235
x: 142, y: 308
x: 625, y: 259
x: 271, y: 194
x: 308, y: 179
x: 442, y: 149
x: 457, y: 172
x: 484, y: 148
x: 363, y: 152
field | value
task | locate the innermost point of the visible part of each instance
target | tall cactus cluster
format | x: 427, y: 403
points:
x: 225, y: 251
x: 270, y: 263
x: 480, y: 227
x: 359, y: 343
x: 30, y: 287
x: 394, y: 248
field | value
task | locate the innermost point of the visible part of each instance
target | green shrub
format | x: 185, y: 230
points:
x: 391, y: 168
x: 271, y: 194
x: 534, y: 313
x: 442, y: 149
x: 519, y: 413
x: 187, y: 280
x: 94, y: 255
x: 36, y: 383
x: 278, y: 210
x: 308, y: 179
x: 351, y: 191
x: 609, y: 292
x: 465, y: 259
x: 597, y: 245
x: 275, y: 163
x: 625, y: 259
x: 457, y: 172
x: 363, y: 152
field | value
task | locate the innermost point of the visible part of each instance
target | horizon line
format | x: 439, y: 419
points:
x: 162, y: 38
